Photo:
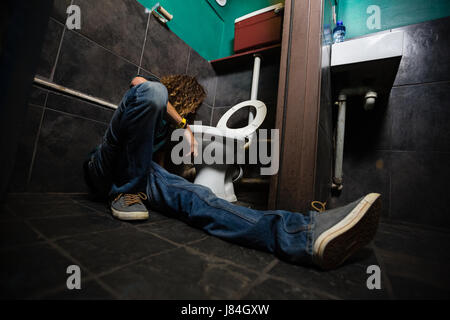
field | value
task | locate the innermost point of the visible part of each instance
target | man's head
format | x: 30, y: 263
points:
x: 185, y: 93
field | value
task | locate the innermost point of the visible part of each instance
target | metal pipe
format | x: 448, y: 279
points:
x: 254, y: 93
x: 337, y: 179
x: 74, y: 93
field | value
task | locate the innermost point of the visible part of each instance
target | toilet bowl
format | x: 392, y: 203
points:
x: 219, y: 177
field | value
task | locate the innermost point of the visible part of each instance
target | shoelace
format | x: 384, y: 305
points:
x: 321, y: 204
x: 131, y: 199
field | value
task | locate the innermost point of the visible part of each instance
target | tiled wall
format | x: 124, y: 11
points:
x: 117, y: 40
x: 402, y: 148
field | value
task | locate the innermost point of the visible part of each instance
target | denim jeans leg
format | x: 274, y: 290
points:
x: 124, y: 157
x: 286, y: 234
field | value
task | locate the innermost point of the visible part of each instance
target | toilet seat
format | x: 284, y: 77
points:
x: 261, y: 111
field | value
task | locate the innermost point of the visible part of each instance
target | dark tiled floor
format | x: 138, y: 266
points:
x: 163, y: 258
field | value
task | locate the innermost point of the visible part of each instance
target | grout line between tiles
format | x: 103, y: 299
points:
x: 76, y: 116
x: 35, y: 145
x: 68, y: 256
x: 52, y: 74
x: 143, y: 45
x: 384, y: 272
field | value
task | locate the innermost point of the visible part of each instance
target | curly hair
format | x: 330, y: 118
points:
x: 185, y: 93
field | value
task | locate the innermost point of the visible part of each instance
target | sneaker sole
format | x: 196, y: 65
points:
x: 136, y: 215
x: 355, y: 231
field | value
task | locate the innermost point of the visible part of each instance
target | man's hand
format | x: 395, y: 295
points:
x: 189, y: 136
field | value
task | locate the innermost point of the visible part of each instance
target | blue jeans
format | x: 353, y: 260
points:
x: 124, y: 160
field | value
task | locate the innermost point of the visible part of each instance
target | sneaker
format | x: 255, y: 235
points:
x: 340, y: 232
x: 129, y: 206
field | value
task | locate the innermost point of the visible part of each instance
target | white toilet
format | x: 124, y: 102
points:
x: 219, y: 177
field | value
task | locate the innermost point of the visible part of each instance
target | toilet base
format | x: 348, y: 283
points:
x: 218, y: 178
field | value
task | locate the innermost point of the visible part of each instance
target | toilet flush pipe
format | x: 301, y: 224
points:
x: 254, y: 93
x: 339, y: 157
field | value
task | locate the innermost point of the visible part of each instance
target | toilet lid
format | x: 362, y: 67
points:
x: 261, y: 112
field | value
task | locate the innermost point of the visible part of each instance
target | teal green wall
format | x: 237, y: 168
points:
x: 394, y: 13
x: 196, y: 22
x: 206, y: 26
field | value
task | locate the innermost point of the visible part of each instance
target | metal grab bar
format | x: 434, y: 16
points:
x: 74, y: 93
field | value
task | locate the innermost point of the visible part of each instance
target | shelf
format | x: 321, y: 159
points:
x: 245, y: 57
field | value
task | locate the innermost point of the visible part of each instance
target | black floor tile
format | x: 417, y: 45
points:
x: 407, y: 288
x: 347, y: 282
x: 70, y: 226
x: 415, y: 256
x: 136, y: 263
x: 90, y: 290
x: 272, y: 289
x: 249, y: 258
x: 178, y: 274
x: 427, y: 244
x: 52, y: 209
x: 101, y: 252
x: 100, y: 207
x: 175, y: 230
x: 15, y: 232
x: 29, y: 270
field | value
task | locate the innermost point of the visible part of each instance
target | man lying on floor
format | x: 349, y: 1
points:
x: 122, y: 170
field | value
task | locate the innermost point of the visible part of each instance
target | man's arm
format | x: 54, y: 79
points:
x: 176, y: 119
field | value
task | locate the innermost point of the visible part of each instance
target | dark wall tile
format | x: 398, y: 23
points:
x: 203, y: 114
x: 50, y: 48
x: 117, y: 25
x: 64, y: 143
x: 60, y: 10
x: 323, y: 166
x: 205, y: 74
x: 420, y: 187
x: 421, y: 117
x: 37, y: 96
x: 89, y: 68
x: 78, y: 107
x: 367, y: 130
x: 233, y: 87
x: 426, y: 50
x: 268, y: 80
x: 365, y: 172
x: 24, y: 153
x: 165, y: 53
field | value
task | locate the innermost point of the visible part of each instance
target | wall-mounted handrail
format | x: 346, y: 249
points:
x: 74, y: 93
